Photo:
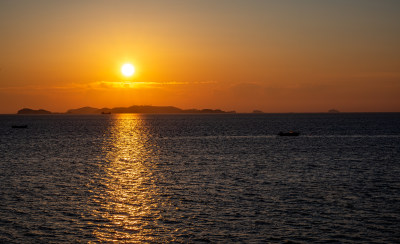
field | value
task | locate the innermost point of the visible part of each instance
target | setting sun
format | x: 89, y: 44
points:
x: 127, y: 70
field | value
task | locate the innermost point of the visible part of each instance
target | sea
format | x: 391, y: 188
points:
x: 200, y: 178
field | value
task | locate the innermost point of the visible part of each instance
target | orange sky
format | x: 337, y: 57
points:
x: 275, y: 56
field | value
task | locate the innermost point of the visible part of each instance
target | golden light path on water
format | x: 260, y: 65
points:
x: 129, y: 204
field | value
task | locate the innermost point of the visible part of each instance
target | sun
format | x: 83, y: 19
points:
x: 127, y: 70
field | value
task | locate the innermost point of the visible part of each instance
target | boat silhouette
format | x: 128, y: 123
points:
x: 19, y: 126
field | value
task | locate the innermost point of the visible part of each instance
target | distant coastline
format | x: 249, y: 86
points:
x: 32, y: 111
x: 147, y: 109
x: 131, y: 109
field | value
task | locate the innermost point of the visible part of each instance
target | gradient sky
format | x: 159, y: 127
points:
x: 274, y: 56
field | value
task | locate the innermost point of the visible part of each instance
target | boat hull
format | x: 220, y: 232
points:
x: 19, y: 126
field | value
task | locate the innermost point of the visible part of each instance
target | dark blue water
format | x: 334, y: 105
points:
x: 200, y: 178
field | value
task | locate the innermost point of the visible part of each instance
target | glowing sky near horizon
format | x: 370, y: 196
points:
x: 274, y: 56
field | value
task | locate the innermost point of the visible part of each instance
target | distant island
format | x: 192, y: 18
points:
x: 333, y: 111
x: 32, y: 111
x: 132, y: 109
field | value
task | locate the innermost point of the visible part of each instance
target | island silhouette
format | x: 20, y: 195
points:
x: 32, y: 111
x: 145, y: 109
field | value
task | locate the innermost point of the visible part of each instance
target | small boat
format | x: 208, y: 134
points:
x: 290, y: 133
x: 19, y: 126
x: 105, y: 112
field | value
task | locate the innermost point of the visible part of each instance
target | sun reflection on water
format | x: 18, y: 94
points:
x: 129, y: 203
